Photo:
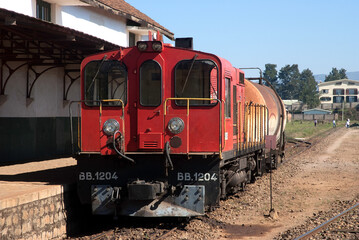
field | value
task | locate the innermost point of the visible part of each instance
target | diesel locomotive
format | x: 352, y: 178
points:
x: 169, y: 131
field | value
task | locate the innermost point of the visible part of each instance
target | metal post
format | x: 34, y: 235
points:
x: 270, y: 183
x: 343, y: 108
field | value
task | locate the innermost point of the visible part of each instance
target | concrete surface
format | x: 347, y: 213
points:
x: 24, y: 183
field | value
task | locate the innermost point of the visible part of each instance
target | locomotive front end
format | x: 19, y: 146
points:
x: 150, y: 133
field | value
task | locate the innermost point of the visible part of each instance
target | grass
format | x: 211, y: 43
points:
x: 306, y: 129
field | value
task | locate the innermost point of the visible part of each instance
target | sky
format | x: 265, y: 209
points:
x: 315, y: 34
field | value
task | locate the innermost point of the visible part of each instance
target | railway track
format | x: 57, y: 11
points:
x: 326, y: 224
x: 104, y: 235
x: 143, y: 231
x: 166, y: 234
x: 162, y: 230
x: 298, y: 146
x: 344, y: 224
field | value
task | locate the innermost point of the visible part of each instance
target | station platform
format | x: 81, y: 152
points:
x: 32, y: 199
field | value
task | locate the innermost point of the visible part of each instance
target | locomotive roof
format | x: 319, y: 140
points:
x: 122, y: 8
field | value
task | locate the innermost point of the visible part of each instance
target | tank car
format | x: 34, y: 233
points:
x: 169, y: 131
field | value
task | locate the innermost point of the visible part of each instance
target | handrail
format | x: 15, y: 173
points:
x: 113, y: 100
x: 201, y: 99
x: 122, y: 117
x: 78, y: 123
x: 189, y: 99
x: 266, y: 130
x: 255, y: 124
x: 238, y: 121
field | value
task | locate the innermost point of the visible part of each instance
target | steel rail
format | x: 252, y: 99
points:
x: 166, y: 234
x: 323, y: 225
x: 109, y: 233
x: 313, y: 142
x: 305, y: 148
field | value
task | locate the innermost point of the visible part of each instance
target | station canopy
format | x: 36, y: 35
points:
x: 29, y: 38
x: 34, y: 42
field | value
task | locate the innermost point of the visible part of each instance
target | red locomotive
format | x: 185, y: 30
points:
x: 168, y: 131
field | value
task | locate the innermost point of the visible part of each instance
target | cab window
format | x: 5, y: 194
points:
x: 196, y: 79
x: 105, y: 80
x: 150, y: 84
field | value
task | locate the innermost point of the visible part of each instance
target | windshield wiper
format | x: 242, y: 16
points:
x: 210, y: 82
x: 98, y: 70
x: 189, y: 72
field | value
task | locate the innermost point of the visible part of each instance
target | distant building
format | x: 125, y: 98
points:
x: 316, y: 111
x: 292, y: 105
x: 339, y: 91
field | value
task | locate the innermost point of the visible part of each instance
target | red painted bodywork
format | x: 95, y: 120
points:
x: 145, y: 128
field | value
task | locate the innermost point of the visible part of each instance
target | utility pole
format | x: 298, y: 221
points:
x: 343, y: 109
x: 343, y: 103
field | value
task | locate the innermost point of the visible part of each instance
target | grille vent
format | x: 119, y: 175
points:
x: 150, y: 141
x: 150, y: 144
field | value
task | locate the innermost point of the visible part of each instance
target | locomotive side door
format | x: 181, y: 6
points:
x: 149, y: 105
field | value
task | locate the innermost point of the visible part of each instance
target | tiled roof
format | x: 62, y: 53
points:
x: 122, y: 8
x: 336, y: 81
x: 317, y: 109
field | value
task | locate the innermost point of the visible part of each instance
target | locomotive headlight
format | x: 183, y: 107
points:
x: 176, y: 125
x: 142, y: 46
x: 110, y: 127
x: 157, y: 46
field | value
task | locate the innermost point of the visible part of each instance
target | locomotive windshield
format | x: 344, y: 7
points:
x: 150, y: 83
x: 196, y: 79
x: 105, y: 80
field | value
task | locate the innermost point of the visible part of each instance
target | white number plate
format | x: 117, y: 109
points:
x: 98, y: 176
x: 197, y: 176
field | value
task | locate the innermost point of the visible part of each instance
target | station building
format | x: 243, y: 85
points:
x: 42, y: 46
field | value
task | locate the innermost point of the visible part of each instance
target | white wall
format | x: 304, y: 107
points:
x: 47, y: 95
x: 86, y: 19
x: 94, y: 22
x: 27, y: 7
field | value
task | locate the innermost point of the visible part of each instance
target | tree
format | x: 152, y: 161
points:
x: 336, y: 75
x: 308, y: 86
x: 289, y: 87
x: 270, y: 73
x: 343, y: 74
